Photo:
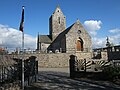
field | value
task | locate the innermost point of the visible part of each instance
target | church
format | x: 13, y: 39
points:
x: 73, y: 39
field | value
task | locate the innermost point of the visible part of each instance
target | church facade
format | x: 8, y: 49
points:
x: 65, y: 40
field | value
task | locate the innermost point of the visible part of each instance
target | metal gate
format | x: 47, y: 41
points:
x: 80, y: 67
x: 11, y: 71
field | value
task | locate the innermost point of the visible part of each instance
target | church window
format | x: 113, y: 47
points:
x: 79, y: 31
x: 58, y: 10
x: 79, y: 45
x: 59, y: 20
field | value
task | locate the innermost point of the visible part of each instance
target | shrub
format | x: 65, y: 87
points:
x: 111, y: 72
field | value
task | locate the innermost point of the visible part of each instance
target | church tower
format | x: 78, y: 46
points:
x: 57, y: 23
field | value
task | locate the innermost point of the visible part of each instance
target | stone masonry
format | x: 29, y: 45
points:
x: 62, y: 39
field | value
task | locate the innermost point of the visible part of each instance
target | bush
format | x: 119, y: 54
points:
x: 111, y: 72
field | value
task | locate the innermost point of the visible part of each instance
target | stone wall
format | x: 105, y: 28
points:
x: 84, y: 55
x: 104, y: 55
x: 57, y: 23
x: 73, y: 36
x: 108, y: 53
x: 53, y: 60
x: 59, y: 60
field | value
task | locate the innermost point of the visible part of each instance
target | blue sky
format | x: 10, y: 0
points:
x: 100, y: 17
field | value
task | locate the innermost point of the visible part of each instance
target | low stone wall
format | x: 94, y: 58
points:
x: 104, y: 55
x: 53, y: 60
x: 84, y: 55
x: 56, y: 60
x: 49, y: 60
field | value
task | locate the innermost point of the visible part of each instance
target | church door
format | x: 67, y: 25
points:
x: 79, y: 45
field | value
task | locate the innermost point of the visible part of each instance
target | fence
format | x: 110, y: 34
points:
x: 11, y: 71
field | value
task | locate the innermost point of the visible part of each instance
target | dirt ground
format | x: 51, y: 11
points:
x: 58, y: 79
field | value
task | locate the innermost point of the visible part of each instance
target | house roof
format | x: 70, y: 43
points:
x: 45, y: 39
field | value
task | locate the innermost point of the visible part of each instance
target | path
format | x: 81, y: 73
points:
x: 50, y: 79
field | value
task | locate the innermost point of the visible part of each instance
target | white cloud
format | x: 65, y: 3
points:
x: 92, y: 26
x: 93, y: 33
x: 101, y: 42
x: 98, y: 42
x: 115, y: 39
x: 116, y: 30
x: 11, y: 38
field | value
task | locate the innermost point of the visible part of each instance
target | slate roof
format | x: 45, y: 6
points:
x: 67, y: 30
x: 45, y: 39
x: 61, y: 35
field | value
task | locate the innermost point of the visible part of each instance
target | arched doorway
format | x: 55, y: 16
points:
x: 79, y: 44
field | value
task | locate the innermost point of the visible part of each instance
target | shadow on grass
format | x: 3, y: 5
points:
x: 49, y: 80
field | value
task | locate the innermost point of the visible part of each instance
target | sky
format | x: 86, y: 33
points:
x: 101, y: 18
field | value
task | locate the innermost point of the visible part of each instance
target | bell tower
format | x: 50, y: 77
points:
x: 57, y: 23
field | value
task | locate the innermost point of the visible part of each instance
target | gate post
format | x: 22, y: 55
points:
x: 72, y: 65
x: 36, y: 71
x: 85, y: 64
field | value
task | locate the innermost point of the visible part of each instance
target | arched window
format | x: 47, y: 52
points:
x: 79, y: 45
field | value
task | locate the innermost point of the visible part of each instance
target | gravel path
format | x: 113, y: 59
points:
x: 58, y: 79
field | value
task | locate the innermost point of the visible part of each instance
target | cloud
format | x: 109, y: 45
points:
x: 98, y: 42
x: 115, y: 39
x: 115, y: 36
x: 92, y: 26
x: 11, y: 38
x: 101, y: 42
x: 116, y: 30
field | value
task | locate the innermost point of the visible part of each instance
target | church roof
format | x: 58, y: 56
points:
x: 69, y: 28
x: 45, y: 39
x: 80, y: 25
x: 61, y: 35
x: 58, y: 9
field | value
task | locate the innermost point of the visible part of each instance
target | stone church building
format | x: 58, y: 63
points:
x: 65, y: 40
